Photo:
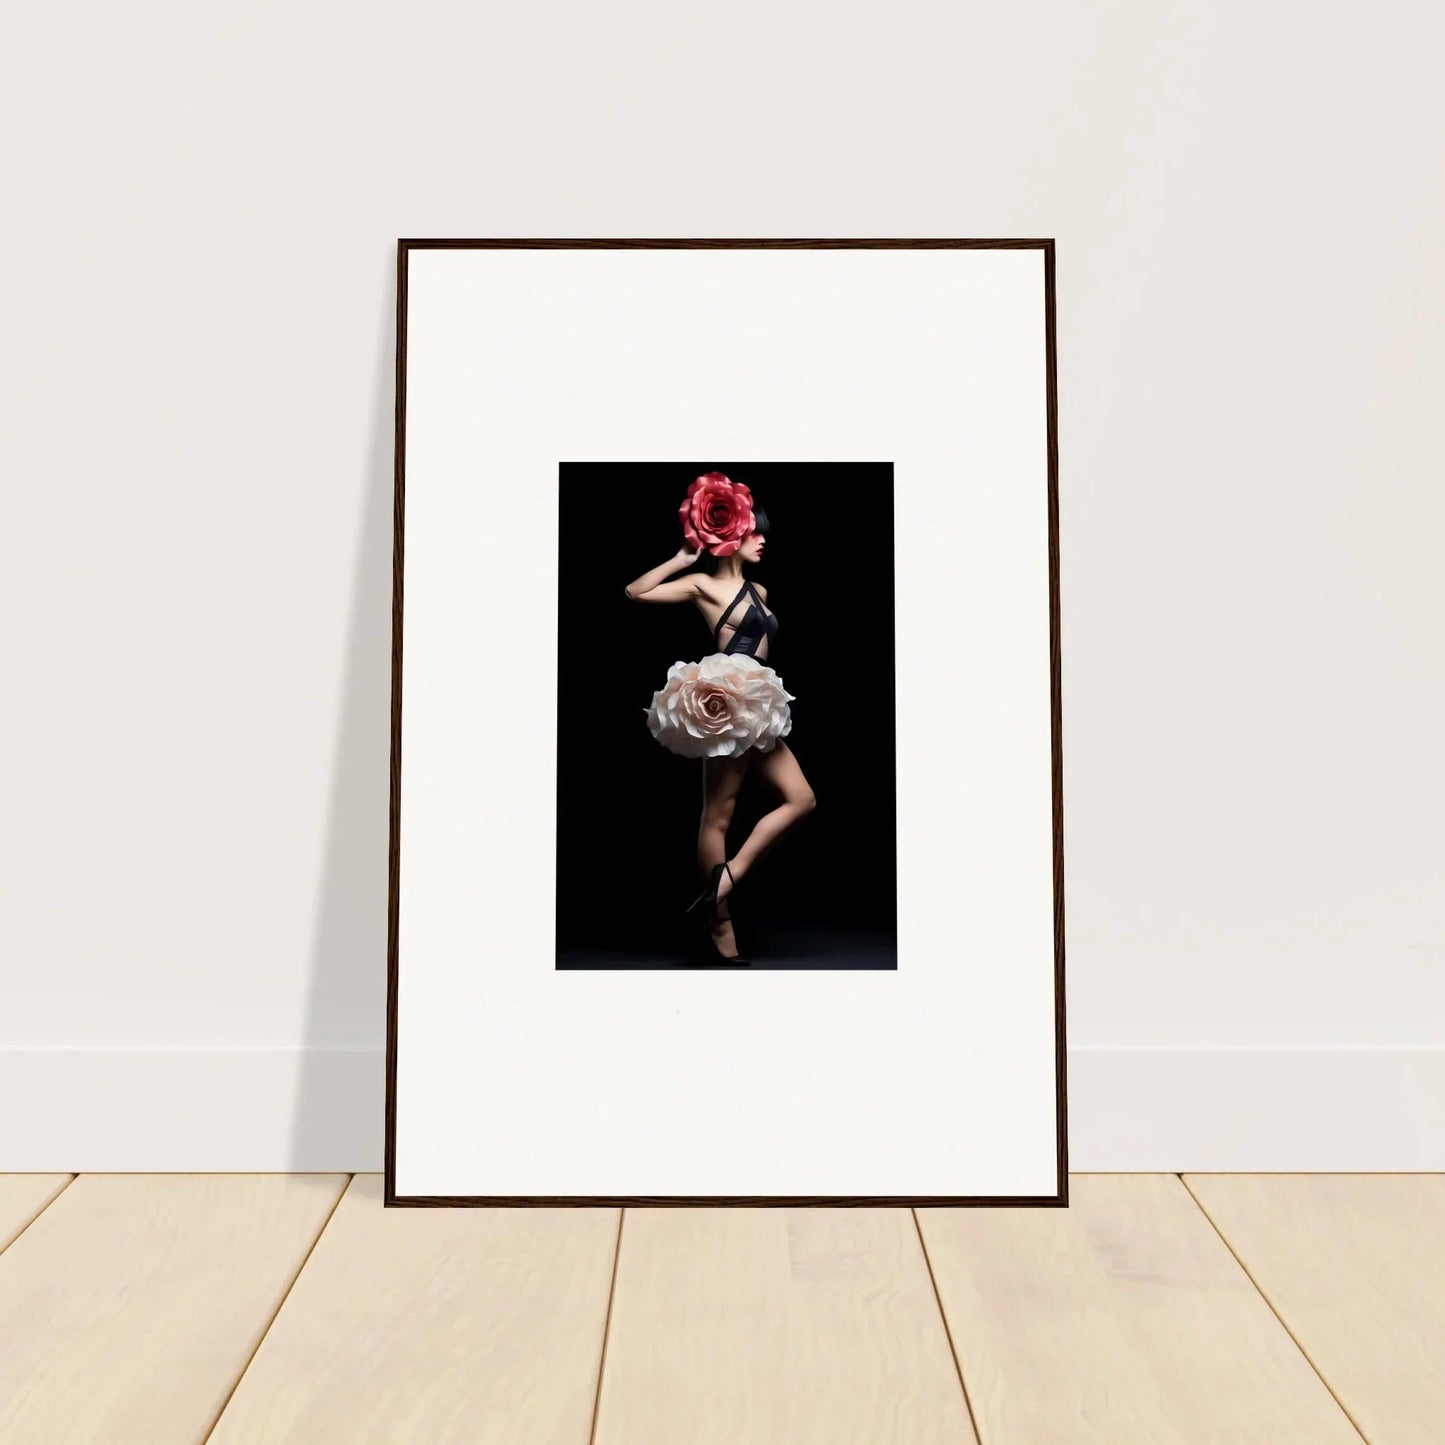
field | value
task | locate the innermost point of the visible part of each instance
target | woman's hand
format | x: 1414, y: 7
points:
x: 685, y: 558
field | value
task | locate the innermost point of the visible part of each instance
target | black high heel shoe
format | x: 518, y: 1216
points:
x: 709, y: 894
x: 713, y: 955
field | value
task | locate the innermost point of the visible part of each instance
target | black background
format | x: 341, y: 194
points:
x: 825, y: 896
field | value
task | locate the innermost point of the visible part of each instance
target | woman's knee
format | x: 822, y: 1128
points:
x: 805, y: 802
x: 718, y: 816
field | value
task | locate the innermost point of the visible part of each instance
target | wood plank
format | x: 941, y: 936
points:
x: 1122, y: 1320
x: 1355, y: 1266
x: 435, y: 1326
x: 22, y: 1197
x: 129, y: 1308
x: 777, y: 1327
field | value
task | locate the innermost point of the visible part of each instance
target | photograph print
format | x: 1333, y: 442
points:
x: 726, y: 781
x: 725, y: 730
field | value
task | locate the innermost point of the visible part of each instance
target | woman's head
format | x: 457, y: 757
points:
x: 752, y: 547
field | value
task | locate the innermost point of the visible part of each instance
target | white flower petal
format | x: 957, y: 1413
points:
x: 720, y: 706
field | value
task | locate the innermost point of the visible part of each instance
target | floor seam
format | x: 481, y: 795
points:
x: 44, y: 1208
x: 606, y: 1330
x: 947, y: 1332
x: 280, y: 1305
x: 1283, y: 1324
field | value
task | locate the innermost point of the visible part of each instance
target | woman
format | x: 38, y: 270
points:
x: 730, y: 709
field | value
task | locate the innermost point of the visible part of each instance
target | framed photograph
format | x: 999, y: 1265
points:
x: 726, y: 781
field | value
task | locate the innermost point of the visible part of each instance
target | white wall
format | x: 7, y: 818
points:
x: 202, y: 203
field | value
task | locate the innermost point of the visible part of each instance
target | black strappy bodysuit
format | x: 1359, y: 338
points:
x: 756, y: 628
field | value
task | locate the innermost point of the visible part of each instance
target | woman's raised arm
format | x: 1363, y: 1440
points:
x: 652, y: 586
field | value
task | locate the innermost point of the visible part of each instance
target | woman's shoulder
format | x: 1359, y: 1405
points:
x: 709, y: 587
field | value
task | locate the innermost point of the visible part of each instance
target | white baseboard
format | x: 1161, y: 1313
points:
x: 198, y: 1109
x: 1249, y: 1110
x: 229, y: 1109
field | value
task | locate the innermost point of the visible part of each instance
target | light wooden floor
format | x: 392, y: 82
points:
x: 241, y: 1309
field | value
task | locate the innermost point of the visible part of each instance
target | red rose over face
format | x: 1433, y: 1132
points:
x: 717, y: 514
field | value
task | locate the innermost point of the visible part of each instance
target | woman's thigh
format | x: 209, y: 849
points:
x: 721, y: 780
x: 782, y: 771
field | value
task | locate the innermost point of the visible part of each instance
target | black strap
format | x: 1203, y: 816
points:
x: 728, y: 611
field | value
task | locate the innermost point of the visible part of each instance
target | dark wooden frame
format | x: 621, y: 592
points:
x: 1061, y: 1197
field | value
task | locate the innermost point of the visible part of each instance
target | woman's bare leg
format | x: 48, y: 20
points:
x: 721, y: 779
x: 781, y: 770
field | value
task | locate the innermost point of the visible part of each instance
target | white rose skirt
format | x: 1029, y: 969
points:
x: 720, y: 707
